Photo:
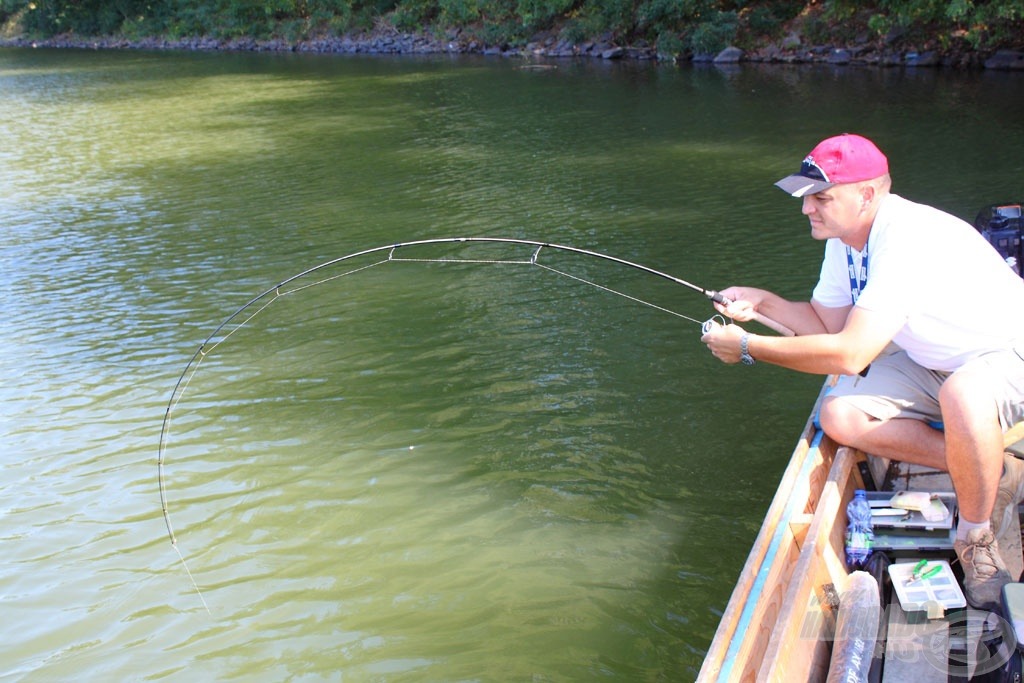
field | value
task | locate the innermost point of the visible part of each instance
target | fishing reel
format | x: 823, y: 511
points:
x: 710, y: 322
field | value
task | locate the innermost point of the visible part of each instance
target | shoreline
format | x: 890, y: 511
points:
x: 543, y: 46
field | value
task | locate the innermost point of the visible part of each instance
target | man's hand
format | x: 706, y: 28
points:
x: 724, y: 341
x: 743, y: 302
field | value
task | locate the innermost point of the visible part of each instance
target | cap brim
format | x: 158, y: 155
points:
x: 800, y: 185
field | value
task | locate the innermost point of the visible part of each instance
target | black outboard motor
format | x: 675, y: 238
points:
x: 1003, y: 226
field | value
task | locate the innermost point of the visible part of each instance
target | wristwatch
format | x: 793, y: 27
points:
x: 745, y: 356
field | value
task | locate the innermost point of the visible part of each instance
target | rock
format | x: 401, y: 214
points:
x: 1006, y: 59
x: 894, y: 34
x: 730, y: 55
x: 890, y: 59
x: 791, y: 49
x: 927, y: 58
x: 769, y: 53
x: 640, y: 53
x: 839, y: 57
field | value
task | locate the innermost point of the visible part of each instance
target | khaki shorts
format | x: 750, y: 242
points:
x: 897, y: 387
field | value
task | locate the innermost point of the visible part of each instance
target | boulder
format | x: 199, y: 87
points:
x: 927, y: 58
x: 1006, y: 59
x: 839, y: 56
x: 730, y: 55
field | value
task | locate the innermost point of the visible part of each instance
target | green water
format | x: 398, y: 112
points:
x: 418, y: 471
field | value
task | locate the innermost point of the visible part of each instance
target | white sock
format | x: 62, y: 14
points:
x: 964, y: 527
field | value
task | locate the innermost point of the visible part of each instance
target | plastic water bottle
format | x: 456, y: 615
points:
x: 860, y: 537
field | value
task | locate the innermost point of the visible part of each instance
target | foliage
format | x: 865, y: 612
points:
x: 983, y: 24
x: 414, y: 14
x: 715, y: 34
x: 767, y: 19
x: 541, y: 14
x: 687, y: 25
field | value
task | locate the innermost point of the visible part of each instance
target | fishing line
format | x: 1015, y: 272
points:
x: 296, y: 283
x: 534, y: 262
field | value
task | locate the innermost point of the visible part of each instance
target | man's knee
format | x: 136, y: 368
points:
x: 968, y: 403
x: 964, y: 391
x: 842, y: 421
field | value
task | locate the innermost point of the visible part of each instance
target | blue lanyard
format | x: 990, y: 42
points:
x: 858, y: 279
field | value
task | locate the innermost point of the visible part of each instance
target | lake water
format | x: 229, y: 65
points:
x: 420, y: 470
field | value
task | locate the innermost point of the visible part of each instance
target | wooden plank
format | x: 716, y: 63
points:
x: 768, y: 567
x: 1013, y: 435
x: 774, y: 627
x: 800, y: 645
x: 903, y: 476
x: 799, y: 526
x: 898, y: 476
x: 752, y: 624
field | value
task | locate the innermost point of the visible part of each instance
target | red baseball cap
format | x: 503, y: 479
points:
x: 845, y: 158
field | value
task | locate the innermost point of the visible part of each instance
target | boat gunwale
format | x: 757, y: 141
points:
x: 739, y: 653
x: 797, y: 495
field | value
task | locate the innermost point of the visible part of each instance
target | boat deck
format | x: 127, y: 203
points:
x: 780, y: 622
x: 918, y: 648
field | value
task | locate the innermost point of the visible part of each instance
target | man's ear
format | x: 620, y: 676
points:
x: 867, y: 195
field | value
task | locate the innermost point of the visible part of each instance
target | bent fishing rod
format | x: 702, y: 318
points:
x: 709, y: 293
x: 260, y: 302
x: 297, y: 283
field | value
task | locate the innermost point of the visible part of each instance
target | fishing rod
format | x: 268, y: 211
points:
x: 265, y: 298
x: 293, y: 284
x: 709, y: 293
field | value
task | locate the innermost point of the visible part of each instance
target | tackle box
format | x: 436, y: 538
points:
x: 911, y: 532
x: 935, y: 594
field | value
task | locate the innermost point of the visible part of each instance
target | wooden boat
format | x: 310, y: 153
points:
x: 779, y: 622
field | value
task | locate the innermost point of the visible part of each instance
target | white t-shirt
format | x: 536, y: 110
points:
x: 957, y: 296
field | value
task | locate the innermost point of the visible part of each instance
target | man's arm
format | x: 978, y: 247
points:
x: 802, y: 317
x: 846, y: 352
x: 833, y: 319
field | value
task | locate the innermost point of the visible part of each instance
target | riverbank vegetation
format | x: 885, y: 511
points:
x: 676, y: 27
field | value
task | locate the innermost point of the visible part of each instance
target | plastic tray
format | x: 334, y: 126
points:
x: 913, y: 520
x: 935, y: 595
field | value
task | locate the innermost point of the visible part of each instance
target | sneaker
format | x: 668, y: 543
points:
x: 984, y: 571
x: 1011, y: 493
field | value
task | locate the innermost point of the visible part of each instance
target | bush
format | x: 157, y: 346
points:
x: 413, y: 15
x: 711, y: 37
x: 702, y: 25
x: 767, y: 20
x: 670, y: 45
x: 540, y: 14
x: 458, y: 12
x: 608, y: 16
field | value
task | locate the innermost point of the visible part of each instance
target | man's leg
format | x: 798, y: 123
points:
x: 903, y: 439
x: 887, y: 413
x: 974, y: 455
x: 974, y: 443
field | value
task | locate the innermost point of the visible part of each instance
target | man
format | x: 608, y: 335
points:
x: 923, y: 320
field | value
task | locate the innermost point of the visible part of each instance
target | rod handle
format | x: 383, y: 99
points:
x: 767, y: 322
